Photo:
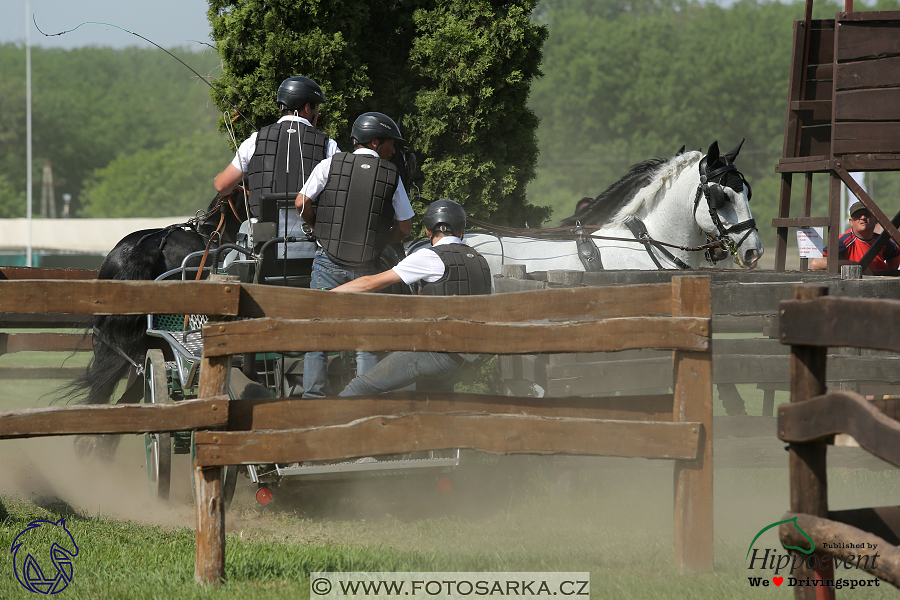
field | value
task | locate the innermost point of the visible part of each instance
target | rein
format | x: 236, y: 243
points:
x: 552, y: 234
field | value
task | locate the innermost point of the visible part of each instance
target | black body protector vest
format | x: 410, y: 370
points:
x: 354, y: 212
x: 466, y: 272
x: 284, y: 157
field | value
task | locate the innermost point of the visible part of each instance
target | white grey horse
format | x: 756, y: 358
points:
x: 674, y: 202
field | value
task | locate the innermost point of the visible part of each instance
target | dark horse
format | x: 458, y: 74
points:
x: 142, y: 255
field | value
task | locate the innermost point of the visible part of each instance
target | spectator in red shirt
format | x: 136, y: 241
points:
x: 857, y: 240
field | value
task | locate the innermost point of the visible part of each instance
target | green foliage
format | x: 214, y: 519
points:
x: 625, y: 82
x: 455, y: 75
x: 91, y: 105
x: 173, y: 180
x: 12, y: 201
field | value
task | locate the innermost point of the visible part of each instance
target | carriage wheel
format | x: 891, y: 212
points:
x: 158, y: 446
x: 229, y: 479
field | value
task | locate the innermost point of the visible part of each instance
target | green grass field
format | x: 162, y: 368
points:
x: 611, y: 518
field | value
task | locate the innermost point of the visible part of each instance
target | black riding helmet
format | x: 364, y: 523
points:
x: 445, y: 212
x: 371, y: 125
x: 295, y: 92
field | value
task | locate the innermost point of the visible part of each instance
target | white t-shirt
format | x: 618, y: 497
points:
x: 248, y: 147
x: 424, y: 264
x: 319, y: 177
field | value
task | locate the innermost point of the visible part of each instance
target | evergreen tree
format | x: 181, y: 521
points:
x: 454, y: 74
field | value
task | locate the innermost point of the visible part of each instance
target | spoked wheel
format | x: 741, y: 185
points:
x: 158, y: 446
x: 229, y: 478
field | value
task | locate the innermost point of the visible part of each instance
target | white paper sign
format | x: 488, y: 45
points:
x: 810, y: 242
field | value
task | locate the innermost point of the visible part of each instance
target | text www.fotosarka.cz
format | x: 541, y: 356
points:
x: 440, y: 586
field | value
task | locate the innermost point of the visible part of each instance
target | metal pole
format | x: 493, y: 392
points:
x: 28, y: 189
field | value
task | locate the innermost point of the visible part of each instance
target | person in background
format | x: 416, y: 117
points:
x: 448, y: 268
x: 856, y: 241
x: 280, y: 157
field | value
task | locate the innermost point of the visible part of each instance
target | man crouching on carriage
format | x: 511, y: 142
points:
x: 448, y: 268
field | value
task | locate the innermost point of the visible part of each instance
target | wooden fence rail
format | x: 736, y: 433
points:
x: 673, y: 315
x: 810, y: 323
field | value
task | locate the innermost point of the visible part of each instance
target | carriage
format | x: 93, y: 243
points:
x: 171, y: 373
x: 657, y: 200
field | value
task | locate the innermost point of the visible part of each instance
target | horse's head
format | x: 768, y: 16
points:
x: 725, y: 195
x: 225, y: 215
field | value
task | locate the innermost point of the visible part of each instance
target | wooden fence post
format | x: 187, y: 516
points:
x: 809, y: 486
x: 693, y: 402
x: 209, y: 565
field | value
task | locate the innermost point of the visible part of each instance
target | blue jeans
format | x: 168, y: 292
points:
x: 326, y: 275
x: 400, y: 369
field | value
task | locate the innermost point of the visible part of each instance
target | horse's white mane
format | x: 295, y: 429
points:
x: 647, y: 197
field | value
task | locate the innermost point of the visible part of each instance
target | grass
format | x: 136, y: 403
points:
x: 507, y: 516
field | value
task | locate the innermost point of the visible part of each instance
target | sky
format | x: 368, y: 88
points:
x: 167, y: 22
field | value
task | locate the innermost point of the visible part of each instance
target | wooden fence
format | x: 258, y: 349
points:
x: 673, y: 426
x: 742, y: 303
x: 810, y: 323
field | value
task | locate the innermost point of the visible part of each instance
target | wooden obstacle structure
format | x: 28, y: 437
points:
x: 843, y: 114
x: 669, y: 426
x: 810, y: 323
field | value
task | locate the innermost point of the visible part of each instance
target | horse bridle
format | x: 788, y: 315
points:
x: 715, y: 199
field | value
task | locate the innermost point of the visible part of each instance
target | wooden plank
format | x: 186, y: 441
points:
x: 100, y: 297
x: 883, y: 521
x: 114, y: 418
x: 841, y: 412
x: 866, y: 138
x: 871, y: 162
x: 806, y: 461
x: 293, y: 303
x: 820, y: 72
x: 209, y: 562
x: 296, y: 413
x: 44, y: 342
x: 449, y: 335
x: 868, y: 74
x: 495, y: 434
x: 872, y: 15
x: 802, y: 222
x: 816, y: 92
x: 858, y: 41
x: 815, y: 140
x: 821, y: 42
x: 836, y: 535
x: 35, y: 373
x: 880, y: 104
x: 46, y: 273
x: 816, y: 164
x: 693, y: 403
x: 823, y: 322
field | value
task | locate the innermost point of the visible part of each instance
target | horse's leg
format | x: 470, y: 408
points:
x: 731, y: 399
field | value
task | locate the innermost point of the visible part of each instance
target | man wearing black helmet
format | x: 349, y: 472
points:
x: 280, y: 157
x: 356, y: 205
x: 448, y: 268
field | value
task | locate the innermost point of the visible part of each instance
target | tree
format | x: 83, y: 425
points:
x: 454, y: 74
x: 91, y: 105
x: 171, y: 181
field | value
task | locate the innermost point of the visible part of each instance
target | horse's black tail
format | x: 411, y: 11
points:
x: 113, y: 333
